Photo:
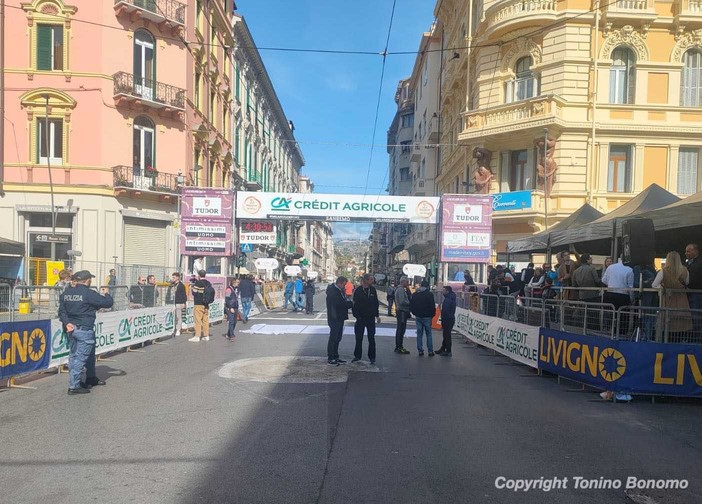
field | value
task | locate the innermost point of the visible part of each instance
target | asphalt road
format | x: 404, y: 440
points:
x: 187, y: 423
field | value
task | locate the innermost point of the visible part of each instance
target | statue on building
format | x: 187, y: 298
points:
x: 482, y: 176
x: 545, y: 175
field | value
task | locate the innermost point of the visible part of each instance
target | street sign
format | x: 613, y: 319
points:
x: 292, y: 270
x: 246, y: 248
x: 266, y: 263
x: 43, y: 238
x: 413, y: 270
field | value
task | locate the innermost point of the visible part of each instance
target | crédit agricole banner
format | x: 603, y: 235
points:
x: 466, y: 228
x: 337, y: 207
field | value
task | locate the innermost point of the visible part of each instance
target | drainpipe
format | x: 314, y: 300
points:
x: 590, y: 175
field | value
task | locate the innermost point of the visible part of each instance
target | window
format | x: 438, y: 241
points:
x: 144, y: 64
x: 213, y: 110
x: 425, y: 77
x: 407, y: 120
x: 404, y: 175
x: 477, y: 14
x: 236, y: 144
x: 406, y: 147
x: 688, y: 163
x: 619, y: 169
x: 516, y: 171
x: 198, y: 78
x: 144, y: 148
x: 622, y: 76
x: 53, y: 152
x: 198, y: 13
x: 213, y: 37
x: 524, y: 85
x: 237, y: 87
x: 211, y: 177
x: 457, y: 183
x: 49, y: 47
x: 691, y: 86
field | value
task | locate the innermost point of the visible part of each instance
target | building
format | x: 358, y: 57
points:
x: 615, y: 88
x: 95, y: 106
x: 314, y: 240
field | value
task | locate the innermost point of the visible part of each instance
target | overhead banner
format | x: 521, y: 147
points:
x: 206, y: 220
x: 258, y: 232
x: 519, y: 342
x: 337, y: 207
x: 623, y: 366
x: 466, y: 228
x: 24, y: 347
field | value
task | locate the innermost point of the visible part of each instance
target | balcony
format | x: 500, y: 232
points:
x: 533, y: 113
x: 630, y: 10
x: 418, y: 185
x: 138, y: 93
x: 416, y: 155
x: 138, y: 180
x: 168, y: 15
x: 688, y: 12
x: 433, y: 130
x: 502, y: 16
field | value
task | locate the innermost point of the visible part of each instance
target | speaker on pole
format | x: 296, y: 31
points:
x: 638, y: 242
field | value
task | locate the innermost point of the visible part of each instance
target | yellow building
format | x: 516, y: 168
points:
x: 616, y: 85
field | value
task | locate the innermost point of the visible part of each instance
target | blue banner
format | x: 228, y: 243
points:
x: 517, y: 200
x: 24, y: 347
x: 623, y: 366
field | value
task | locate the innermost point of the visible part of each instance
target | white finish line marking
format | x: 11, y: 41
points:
x: 317, y: 329
x: 292, y: 369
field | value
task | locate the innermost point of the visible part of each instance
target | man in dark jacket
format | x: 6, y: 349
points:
x: 402, y: 310
x: 448, y: 319
x: 309, y: 296
x: 423, y: 308
x: 694, y: 267
x: 337, y: 312
x: 202, y: 297
x: 231, y: 307
x: 366, y: 310
x: 77, y: 308
x: 136, y: 293
x: 391, y: 297
x: 180, y: 299
x: 247, y: 291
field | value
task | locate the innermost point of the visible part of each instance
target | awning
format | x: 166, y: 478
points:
x: 677, y: 224
x: 9, y: 247
x: 539, y: 241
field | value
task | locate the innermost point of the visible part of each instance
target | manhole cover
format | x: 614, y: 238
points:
x: 292, y: 370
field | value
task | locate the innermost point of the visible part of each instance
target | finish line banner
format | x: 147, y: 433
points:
x: 336, y: 207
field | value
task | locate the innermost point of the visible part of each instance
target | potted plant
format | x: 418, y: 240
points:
x: 150, y: 172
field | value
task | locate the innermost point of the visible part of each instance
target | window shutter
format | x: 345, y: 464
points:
x: 509, y: 91
x: 44, y: 47
x: 504, y: 172
x: 631, y: 84
x: 687, y: 171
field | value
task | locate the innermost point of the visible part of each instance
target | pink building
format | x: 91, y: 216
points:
x: 124, y: 127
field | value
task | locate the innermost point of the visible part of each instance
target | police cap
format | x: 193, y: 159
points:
x: 82, y: 275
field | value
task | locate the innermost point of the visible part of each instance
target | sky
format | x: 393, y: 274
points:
x: 332, y: 98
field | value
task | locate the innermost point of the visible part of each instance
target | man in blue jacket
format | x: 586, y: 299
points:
x: 247, y: 291
x: 299, y: 292
x: 77, y: 308
x: 289, y: 292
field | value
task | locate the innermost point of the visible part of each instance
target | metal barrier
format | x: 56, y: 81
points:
x: 5, y: 293
x: 660, y: 324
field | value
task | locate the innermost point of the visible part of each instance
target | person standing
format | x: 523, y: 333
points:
x: 694, y: 299
x: 448, y: 319
x: 309, y: 296
x: 231, y: 305
x: 203, y: 296
x: 299, y: 292
x: 402, y: 309
x: 111, y: 279
x: 77, y: 308
x: 619, y: 280
x: 337, y: 312
x: 289, y: 292
x: 585, y: 279
x: 136, y: 293
x: 63, y: 282
x: 247, y: 291
x: 349, y: 287
x: 672, y: 279
x: 198, y: 265
x: 366, y: 309
x: 391, y: 297
x: 180, y: 299
x: 150, y: 292
x: 423, y: 308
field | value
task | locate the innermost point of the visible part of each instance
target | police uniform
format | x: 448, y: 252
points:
x: 78, y: 306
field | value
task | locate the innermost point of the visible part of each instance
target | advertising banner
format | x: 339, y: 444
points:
x: 466, y: 228
x: 24, y: 347
x: 198, y: 203
x: 336, y: 207
x: 517, y: 341
x: 205, y: 237
x: 623, y: 366
x: 53, y: 268
x: 516, y: 200
x: 258, y: 232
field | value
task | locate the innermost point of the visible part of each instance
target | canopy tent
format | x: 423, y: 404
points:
x: 596, y: 237
x: 12, y: 248
x: 540, y: 241
x: 677, y: 224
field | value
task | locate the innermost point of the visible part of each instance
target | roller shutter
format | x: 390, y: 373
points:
x: 145, y: 242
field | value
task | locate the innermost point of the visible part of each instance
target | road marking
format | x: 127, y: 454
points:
x: 292, y: 369
x: 315, y: 329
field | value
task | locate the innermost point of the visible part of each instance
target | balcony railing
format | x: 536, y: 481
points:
x: 141, y: 180
x: 630, y: 9
x: 156, y: 10
x: 149, y: 92
x: 688, y: 10
x: 504, y: 13
x: 433, y: 129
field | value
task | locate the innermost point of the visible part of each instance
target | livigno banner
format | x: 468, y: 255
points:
x: 517, y: 341
x: 337, y: 207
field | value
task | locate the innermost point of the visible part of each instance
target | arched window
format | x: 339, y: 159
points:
x: 691, y: 85
x: 144, y: 150
x: 524, y: 85
x: 144, y: 64
x: 622, y: 76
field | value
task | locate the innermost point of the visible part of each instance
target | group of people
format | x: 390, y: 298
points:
x: 365, y: 307
x: 299, y: 293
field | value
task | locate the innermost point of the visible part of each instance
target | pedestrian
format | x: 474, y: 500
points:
x: 448, y: 319
x: 366, y: 309
x: 349, y: 289
x: 565, y: 275
x: 337, y: 312
x: 136, y: 293
x: 423, y: 308
x: 111, y: 279
x: 150, y: 292
x: 694, y: 299
x: 180, y: 299
x: 299, y: 292
x: 402, y: 309
x: 527, y: 274
x: 203, y: 297
x: 536, y: 284
x: 247, y: 291
x: 198, y: 265
x: 309, y: 296
x: 231, y: 306
x: 468, y: 282
x: 60, y: 285
x: 77, y: 309
x: 391, y: 297
x: 673, y: 278
x: 619, y: 280
x: 289, y: 293
x: 585, y: 279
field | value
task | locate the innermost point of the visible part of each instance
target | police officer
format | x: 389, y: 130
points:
x: 77, y: 310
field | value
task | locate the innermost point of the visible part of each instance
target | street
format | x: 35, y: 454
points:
x: 176, y: 425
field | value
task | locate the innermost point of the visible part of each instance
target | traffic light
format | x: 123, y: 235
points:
x: 241, y: 260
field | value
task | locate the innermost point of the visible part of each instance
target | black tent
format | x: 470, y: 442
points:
x: 596, y: 237
x: 677, y: 224
x: 540, y: 241
x: 12, y: 248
